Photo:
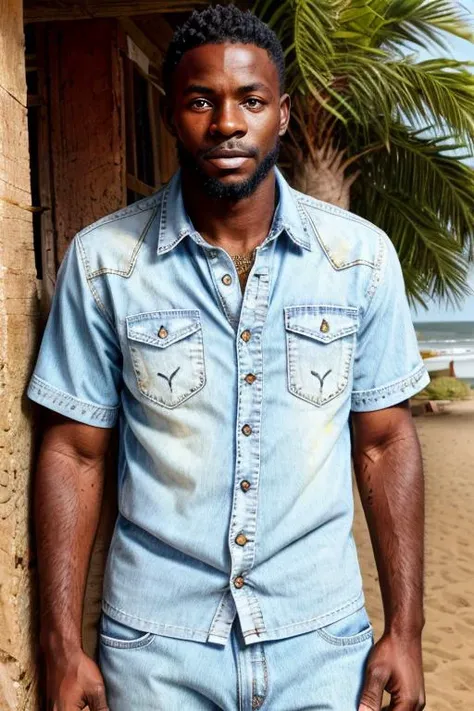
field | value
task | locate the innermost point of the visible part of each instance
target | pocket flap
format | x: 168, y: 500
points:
x: 324, y: 323
x: 162, y: 328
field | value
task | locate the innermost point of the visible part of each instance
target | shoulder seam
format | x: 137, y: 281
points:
x: 140, y: 240
x: 97, y: 300
x: 333, y: 209
x: 150, y: 203
x: 374, y: 282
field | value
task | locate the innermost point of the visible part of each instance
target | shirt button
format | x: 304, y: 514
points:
x: 239, y: 582
x: 227, y: 279
x: 250, y: 378
x: 246, y: 335
x: 241, y: 540
x: 212, y: 253
x: 247, y: 430
x: 245, y: 485
x: 162, y: 333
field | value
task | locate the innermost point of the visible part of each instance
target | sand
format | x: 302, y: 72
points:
x: 447, y: 442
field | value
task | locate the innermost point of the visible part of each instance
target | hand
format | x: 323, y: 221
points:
x: 395, y: 665
x: 75, y: 683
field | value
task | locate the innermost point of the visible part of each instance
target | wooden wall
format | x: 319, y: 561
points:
x: 18, y: 318
x: 87, y: 145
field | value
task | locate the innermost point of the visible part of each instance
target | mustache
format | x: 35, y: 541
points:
x: 248, y: 150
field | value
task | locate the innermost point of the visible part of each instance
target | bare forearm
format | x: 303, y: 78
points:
x: 67, y: 506
x: 390, y: 481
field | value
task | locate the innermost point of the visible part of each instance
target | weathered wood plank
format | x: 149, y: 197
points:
x: 49, y: 260
x: 12, y: 49
x: 44, y: 11
x: 87, y: 144
x: 18, y: 318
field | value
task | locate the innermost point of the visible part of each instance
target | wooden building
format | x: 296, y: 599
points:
x: 80, y: 137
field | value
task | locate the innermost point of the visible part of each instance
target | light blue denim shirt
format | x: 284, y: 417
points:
x: 234, y: 471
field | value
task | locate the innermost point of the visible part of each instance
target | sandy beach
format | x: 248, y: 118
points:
x: 448, y: 452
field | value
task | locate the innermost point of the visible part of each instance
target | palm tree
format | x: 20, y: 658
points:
x: 380, y: 132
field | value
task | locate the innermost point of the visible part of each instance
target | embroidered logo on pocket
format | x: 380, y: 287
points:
x: 170, y: 379
x: 158, y: 340
x: 320, y: 342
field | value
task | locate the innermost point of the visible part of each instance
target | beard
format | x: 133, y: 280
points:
x: 215, y: 188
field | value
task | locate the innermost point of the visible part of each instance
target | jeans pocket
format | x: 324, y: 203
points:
x: 353, y: 629
x: 320, y: 342
x: 167, y: 354
x: 120, y: 636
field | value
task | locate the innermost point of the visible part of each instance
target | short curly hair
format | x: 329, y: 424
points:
x: 216, y: 25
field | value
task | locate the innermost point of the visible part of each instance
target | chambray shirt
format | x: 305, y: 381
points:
x: 234, y: 470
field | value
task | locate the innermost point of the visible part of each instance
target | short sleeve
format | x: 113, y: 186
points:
x: 388, y: 367
x: 78, y: 370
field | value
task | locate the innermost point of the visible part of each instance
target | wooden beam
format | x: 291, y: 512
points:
x: 48, y: 11
x: 138, y: 186
x: 142, y: 41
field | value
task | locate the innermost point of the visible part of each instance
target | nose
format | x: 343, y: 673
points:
x: 228, y: 120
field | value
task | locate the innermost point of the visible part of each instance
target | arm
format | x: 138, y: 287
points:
x: 68, y: 495
x: 388, y: 468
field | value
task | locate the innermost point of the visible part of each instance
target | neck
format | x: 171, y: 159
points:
x: 236, y: 225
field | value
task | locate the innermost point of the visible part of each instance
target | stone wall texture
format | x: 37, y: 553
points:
x: 18, y: 332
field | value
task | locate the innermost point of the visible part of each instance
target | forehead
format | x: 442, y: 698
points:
x: 226, y: 65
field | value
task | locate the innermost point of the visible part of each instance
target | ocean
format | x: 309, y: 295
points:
x: 452, y: 341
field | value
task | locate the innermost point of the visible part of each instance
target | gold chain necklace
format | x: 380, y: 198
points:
x: 243, y: 262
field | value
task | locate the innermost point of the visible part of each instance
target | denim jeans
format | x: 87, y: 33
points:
x: 321, y: 670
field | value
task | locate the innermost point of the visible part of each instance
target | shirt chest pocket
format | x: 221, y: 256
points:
x: 320, y: 343
x: 167, y: 354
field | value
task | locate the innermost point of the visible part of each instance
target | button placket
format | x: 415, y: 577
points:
x: 244, y: 506
x: 225, y: 278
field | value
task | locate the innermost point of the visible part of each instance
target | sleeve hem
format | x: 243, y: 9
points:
x: 89, y: 413
x: 391, y: 394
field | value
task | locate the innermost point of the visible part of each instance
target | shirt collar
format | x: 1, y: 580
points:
x: 175, y: 224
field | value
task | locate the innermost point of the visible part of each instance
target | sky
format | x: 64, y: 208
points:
x: 461, y: 49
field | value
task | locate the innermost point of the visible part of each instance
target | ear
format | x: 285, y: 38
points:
x: 166, y: 113
x: 285, y: 110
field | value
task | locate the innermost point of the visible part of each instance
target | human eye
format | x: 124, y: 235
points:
x: 200, y: 104
x: 253, y: 103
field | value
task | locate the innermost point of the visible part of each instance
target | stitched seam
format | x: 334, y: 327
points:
x: 133, y: 259
x: 217, y: 614
x: 97, y: 300
x: 376, y: 274
x: 311, y: 619
x: 347, y: 331
x: 388, y: 389
x: 141, y: 206
x: 338, y: 267
x: 334, y: 210
x: 126, y: 644
x: 150, y: 622
x: 67, y: 396
x: 345, y: 641
x: 164, y: 342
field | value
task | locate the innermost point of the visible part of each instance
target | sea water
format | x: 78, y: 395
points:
x: 453, y: 341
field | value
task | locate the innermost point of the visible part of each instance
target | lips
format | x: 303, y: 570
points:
x: 228, y: 160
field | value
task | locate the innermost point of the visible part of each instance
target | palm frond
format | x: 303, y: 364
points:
x: 423, y: 197
x: 409, y: 22
x: 438, y: 91
x: 355, y: 90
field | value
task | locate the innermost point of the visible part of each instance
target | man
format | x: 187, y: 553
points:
x: 230, y: 325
